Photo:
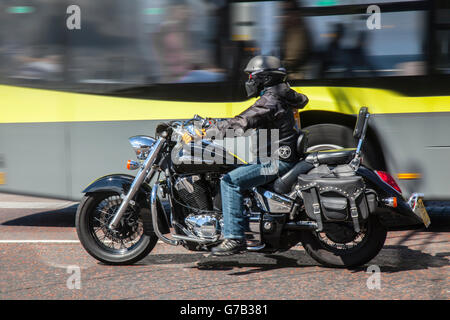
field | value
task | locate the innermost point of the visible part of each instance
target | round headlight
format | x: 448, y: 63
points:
x: 142, y: 145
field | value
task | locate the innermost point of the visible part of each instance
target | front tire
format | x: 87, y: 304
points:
x: 126, y: 246
x: 363, y: 252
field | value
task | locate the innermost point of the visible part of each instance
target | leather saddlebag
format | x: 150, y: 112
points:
x: 334, y: 199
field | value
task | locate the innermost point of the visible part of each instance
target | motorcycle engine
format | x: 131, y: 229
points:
x: 195, y: 193
x: 204, y: 225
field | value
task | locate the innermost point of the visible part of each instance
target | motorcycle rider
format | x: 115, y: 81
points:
x: 273, y: 111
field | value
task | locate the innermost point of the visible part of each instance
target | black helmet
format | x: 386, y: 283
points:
x: 263, y: 71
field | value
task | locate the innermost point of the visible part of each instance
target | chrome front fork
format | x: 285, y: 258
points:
x: 146, y: 171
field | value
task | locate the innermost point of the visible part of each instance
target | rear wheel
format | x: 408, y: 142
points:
x: 126, y: 244
x: 340, y: 246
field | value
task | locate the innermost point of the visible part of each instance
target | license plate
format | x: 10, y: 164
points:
x: 420, y: 211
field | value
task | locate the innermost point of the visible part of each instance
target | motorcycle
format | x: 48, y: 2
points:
x: 329, y: 201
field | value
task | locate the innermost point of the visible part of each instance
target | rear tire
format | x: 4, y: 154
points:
x: 359, y: 255
x: 84, y: 226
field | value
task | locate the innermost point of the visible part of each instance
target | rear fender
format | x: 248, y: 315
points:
x: 385, y: 191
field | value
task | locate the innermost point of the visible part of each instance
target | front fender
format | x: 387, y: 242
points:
x: 120, y: 184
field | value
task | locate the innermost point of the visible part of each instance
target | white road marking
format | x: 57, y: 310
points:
x: 39, y: 241
x: 35, y: 205
x: 44, y: 241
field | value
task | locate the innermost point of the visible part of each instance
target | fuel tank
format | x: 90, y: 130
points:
x: 202, y: 157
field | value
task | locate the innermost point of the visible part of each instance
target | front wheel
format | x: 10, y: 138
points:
x: 126, y: 244
x: 340, y: 246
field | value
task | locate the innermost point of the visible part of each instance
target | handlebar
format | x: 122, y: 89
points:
x: 204, y: 122
x: 194, y: 122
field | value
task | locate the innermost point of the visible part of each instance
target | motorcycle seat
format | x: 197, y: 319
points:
x: 331, y: 157
x: 284, y: 183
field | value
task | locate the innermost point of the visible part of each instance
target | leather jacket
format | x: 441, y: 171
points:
x: 273, y: 111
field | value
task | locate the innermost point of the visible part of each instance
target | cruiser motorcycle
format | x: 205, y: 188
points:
x: 329, y: 201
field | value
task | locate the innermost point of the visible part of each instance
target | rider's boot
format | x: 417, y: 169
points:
x: 229, y: 247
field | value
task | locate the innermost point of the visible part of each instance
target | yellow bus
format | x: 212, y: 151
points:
x: 75, y: 84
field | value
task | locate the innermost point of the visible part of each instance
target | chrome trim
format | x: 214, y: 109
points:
x: 389, y: 201
x: 414, y: 198
x: 185, y: 184
x: 363, y: 134
x: 194, y: 239
x: 260, y: 200
x: 256, y: 248
x: 254, y: 216
x: 301, y: 225
x: 182, y: 228
x: 154, y: 210
x: 421, y: 214
x: 272, y: 202
x: 133, y: 165
x: 145, y: 171
x: 141, y: 145
x: 205, y: 226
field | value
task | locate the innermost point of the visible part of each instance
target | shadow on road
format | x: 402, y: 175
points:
x: 400, y: 258
x: 257, y: 261
x: 280, y: 262
x: 167, y: 259
x: 391, y: 259
x: 64, y: 218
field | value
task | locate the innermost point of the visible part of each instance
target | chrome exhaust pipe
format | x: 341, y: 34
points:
x: 193, y: 239
x: 301, y: 225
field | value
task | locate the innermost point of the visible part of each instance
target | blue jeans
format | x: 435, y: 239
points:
x: 241, y: 179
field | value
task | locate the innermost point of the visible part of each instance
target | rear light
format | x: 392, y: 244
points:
x: 387, y: 178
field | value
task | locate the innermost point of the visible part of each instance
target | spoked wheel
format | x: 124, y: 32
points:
x: 125, y: 244
x: 340, y: 246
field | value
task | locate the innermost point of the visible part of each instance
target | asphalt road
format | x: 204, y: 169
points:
x: 41, y: 258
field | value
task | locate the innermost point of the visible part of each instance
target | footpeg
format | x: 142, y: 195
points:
x: 255, y: 246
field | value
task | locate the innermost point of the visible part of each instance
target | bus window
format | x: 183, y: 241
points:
x: 184, y: 42
x: 104, y: 51
x: 31, y: 41
x: 146, y: 42
x: 318, y: 39
x: 343, y: 45
x: 330, y: 3
x: 443, y: 38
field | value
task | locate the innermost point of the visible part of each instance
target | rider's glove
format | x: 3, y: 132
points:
x: 199, y: 133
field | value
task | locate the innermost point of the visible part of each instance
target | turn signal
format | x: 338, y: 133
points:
x: 132, y: 165
x: 391, y: 202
